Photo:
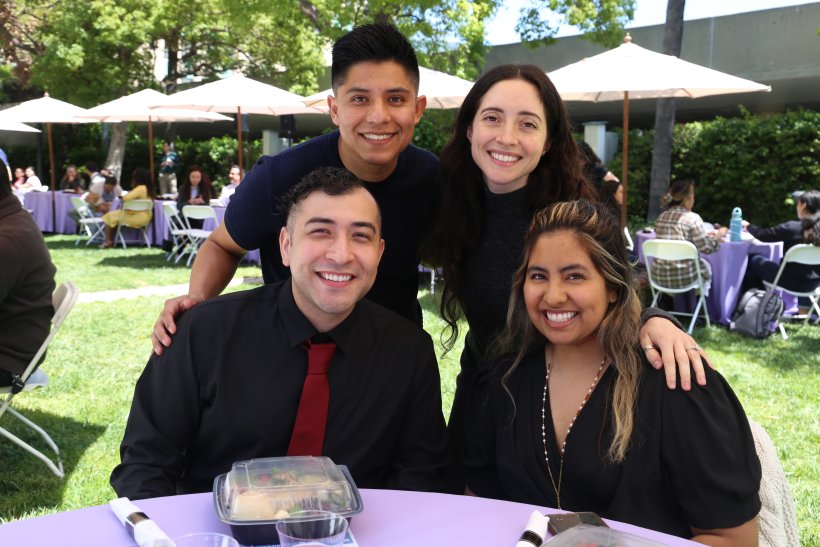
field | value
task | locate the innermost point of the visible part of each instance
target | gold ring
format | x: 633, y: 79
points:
x: 648, y: 347
x: 695, y: 347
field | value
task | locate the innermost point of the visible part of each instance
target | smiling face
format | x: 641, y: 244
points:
x: 376, y: 109
x: 508, y: 135
x: 332, y: 245
x: 566, y: 296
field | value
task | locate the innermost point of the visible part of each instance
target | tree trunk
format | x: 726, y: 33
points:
x: 116, y: 150
x: 665, y: 114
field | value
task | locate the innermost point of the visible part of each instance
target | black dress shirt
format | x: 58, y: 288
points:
x: 229, y: 386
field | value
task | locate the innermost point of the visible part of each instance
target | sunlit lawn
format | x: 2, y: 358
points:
x: 100, y: 351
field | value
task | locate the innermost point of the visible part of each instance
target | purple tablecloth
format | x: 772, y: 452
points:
x: 390, y: 518
x: 728, y: 268
x: 251, y: 256
x: 40, y: 204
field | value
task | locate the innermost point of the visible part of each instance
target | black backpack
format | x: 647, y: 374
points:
x: 757, y: 313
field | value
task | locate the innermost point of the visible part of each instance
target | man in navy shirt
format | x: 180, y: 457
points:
x: 376, y: 107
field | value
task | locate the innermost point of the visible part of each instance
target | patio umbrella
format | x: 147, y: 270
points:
x: 238, y: 94
x: 442, y: 91
x: 11, y: 125
x: 136, y: 107
x: 632, y: 72
x: 47, y: 110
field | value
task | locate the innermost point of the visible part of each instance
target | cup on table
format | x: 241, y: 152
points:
x: 318, y: 528
x: 205, y: 539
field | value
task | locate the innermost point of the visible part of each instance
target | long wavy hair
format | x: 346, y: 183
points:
x: 460, y: 218
x: 598, y: 233
x: 206, y: 189
x: 811, y: 222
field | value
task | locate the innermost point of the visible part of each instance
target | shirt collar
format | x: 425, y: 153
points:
x: 298, y: 329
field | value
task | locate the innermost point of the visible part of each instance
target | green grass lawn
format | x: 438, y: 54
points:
x: 98, y: 354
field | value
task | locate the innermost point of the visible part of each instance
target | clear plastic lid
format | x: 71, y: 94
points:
x: 270, y: 489
x: 586, y: 535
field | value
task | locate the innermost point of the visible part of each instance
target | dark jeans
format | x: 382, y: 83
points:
x: 762, y: 269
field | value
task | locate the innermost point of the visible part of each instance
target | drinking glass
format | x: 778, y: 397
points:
x: 205, y: 539
x: 315, y: 528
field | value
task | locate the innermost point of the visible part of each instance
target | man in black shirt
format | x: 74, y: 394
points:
x: 229, y: 387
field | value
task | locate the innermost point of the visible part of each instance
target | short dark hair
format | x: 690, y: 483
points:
x: 378, y: 42
x: 110, y: 180
x: 333, y: 181
x: 91, y: 166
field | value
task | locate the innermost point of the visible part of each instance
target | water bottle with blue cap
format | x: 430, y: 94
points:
x: 736, y: 224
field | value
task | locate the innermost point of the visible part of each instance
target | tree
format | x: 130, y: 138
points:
x: 665, y: 114
x: 600, y: 21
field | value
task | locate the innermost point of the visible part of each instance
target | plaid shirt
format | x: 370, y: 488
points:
x: 682, y: 224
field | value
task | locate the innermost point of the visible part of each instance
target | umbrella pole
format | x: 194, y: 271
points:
x: 151, y: 148
x: 625, y: 157
x: 51, y: 176
x: 239, y: 136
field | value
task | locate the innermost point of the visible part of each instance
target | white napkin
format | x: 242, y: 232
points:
x: 146, y: 533
x: 535, y: 532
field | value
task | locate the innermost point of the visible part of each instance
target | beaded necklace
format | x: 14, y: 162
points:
x: 557, y: 488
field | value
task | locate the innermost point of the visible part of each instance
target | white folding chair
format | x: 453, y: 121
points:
x: 197, y: 235
x: 672, y: 249
x: 630, y: 246
x: 63, y: 299
x: 432, y: 271
x: 178, y: 229
x: 800, y: 254
x: 134, y: 205
x: 93, y: 228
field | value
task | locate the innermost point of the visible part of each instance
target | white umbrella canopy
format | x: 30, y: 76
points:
x: 11, y: 125
x: 632, y: 72
x: 136, y: 107
x: 238, y: 94
x: 442, y: 91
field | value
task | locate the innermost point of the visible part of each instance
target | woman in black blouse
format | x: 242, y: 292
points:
x: 574, y: 419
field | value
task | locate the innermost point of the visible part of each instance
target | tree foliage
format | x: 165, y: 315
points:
x: 600, y: 21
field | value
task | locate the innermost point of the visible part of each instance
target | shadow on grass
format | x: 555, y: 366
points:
x: 27, y: 484
x: 141, y: 261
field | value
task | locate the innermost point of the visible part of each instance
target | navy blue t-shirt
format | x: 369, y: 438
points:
x: 404, y: 198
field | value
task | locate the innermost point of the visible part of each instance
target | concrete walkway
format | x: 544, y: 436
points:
x: 166, y: 290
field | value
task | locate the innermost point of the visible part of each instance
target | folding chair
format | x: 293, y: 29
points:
x: 93, y: 228
x: 63, y: 299
x: 178, y: 229
x: 801, y: 254
x: 432, y: 272
x: 134, y: 205
x: 672, y: 249
x: 197, y: 235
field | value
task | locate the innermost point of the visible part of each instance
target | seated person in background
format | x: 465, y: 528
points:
x: 95, y: 177
x: 234, y: 178
x: 72, y: 181
x: 239, y: 361
x: 141, y: 188
x: 101, y: 194
x: 680, y: 222
x: 196, y: 190
x: 32, y: 182
x: 798, y: 277
x: 680, y: 462
x: 26, y: 285
x: 594, y: 169
x: 19, y: 178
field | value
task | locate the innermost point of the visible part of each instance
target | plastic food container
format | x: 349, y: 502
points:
x: 256, y: 494
x: 585, y: 535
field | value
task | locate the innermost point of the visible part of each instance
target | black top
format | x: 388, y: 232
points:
x: 692, y: 460
x: 26, y: 286
x: 229, y: 387
x: 791, y: 234
x: 253, y: 221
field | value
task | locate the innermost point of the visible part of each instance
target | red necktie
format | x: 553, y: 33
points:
x: 311, y: 418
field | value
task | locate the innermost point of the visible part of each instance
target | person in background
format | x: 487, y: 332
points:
x: 168, y: 165
x: 234, y: 178
x: 679, y: 222
x: 19, y: 178
x: 72, y: 181
x: 26, y: 286
x: 594, y: 169
x: 196, y: 190
x: 234, y: 384
x: 572, y: 416
x: 141, y: 188
x: 806, y: 229
x: 32, y: 181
